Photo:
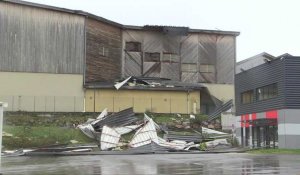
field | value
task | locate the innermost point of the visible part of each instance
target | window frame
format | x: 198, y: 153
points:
x: 150, y: 54
x: 267, y: 92
x: 137, y: 46
x: 250, y: 100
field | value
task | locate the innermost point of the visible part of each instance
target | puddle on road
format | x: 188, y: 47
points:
x: 154, y: 164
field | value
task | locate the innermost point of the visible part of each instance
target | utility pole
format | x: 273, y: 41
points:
x: 2, y: 105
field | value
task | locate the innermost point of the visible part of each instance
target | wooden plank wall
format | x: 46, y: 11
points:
x: 103, y: 51
x: 39, y: 40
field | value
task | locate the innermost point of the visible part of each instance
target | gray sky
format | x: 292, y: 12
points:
x: 271, y: 26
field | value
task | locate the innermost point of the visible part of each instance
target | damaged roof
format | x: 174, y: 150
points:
x: 160, y: 84
x: 176, y: 29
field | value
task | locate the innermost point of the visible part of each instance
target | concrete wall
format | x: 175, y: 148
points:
x: 289, y: 128
x: 142, y: 100
x: 42, y: 92
x: 223, y: 92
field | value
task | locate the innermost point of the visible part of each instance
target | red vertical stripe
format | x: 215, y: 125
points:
x: 254, y: 116
x: 247, y: 120
x: 272, y: 114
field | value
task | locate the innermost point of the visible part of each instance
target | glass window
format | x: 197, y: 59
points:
x: 247, y: 97
x: 133, y: 46
x: 267, y: 92
x: 152, y: 56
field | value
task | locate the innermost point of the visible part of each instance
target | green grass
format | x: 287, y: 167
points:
x: 275, y: 151
x: 28, y: 137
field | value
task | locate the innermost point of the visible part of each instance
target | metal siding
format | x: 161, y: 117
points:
x: 133, y: 64
x: 196, y: 48
x: 225, y: 61
x: 292, y: 82
x: 39, y: 40
x: 256, y: 77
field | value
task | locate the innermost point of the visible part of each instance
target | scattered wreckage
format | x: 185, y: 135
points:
x: 148, y: 135
x: 126, y: 134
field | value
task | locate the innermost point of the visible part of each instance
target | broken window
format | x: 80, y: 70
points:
x: 188, y: 67
x: 152, y: 57
x: 133, y: 46
x: 170, y: 57
x: 207, y: 68
x: 247, y: 97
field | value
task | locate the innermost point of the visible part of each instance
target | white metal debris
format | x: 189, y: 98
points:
x: 147, y: 118
x: 100, y: 117
x: 214, y: 143
x: 145, y: 135
x: 103, y: 114
x: 192, y: 116
x: 119, y: 85
x: 88, y: 130
x: 126, y: 129
x: 211, y: 131
x: 173, y: 145
x: 109, y: 138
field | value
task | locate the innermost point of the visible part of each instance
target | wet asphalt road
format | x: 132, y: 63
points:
x: 214, y: 164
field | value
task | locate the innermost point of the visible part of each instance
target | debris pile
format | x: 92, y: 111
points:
x: 144, y: 134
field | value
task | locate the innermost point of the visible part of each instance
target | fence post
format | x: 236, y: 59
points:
x: 2, y: 105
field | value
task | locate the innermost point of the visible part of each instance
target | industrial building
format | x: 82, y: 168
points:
x: 61, y: 60
x: 268, y: 101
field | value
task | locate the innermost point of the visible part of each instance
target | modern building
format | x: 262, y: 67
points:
x: 268, y: 102
x: 55, y: 59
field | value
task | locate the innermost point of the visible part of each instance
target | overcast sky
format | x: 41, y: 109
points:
x: 271, y: 26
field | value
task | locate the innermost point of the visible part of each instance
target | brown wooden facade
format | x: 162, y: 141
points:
x: 103, y: 51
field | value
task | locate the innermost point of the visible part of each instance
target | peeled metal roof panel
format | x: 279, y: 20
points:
x: 144, y: 135
x: 88, y: 130
x: 126, y: 129
x: 187, y: 138
x: 109, y: 138
x: 118, y: 119
x: 211, y: 131
x: 220, y: 109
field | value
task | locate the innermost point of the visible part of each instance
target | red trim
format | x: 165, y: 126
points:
x: 254, y: 116
x: 272, y: 114
x: 247, y: 120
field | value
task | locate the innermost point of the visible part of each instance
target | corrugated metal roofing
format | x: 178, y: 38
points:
x: 109, y: 138
x: 146, y: 27
x: 122, y: 118
x: 187, y: 138
x: 220, y: 109
x: 145, y: 135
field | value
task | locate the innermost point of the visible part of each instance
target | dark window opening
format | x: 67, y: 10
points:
x: 133, y: 46
x: 267, y: 92
x: 152, y: 57
x: 247, y: 97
